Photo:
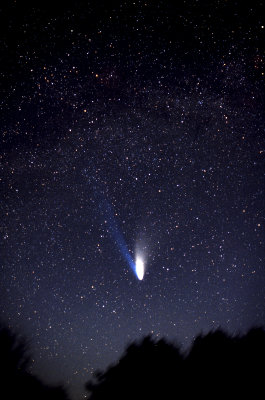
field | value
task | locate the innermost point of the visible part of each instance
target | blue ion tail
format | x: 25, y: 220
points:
x: 118, y: 238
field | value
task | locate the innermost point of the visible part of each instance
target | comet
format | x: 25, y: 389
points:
x: 139, y: 268
x: 112, y: 227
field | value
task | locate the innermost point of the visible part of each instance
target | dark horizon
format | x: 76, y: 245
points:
x: 150, y: 368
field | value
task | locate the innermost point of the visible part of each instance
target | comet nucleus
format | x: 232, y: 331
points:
x: 139, y: 268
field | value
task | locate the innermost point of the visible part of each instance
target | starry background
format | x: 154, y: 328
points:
x: 144, y: 114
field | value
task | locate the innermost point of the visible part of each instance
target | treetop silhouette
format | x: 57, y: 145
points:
x: 16, y: 382
x: 216, y: 366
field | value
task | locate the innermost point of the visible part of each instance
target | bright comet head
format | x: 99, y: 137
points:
x: 139, y: 268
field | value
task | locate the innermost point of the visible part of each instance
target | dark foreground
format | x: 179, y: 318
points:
x: 217, y: 366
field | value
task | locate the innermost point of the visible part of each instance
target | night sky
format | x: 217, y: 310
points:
x: 129, y: 128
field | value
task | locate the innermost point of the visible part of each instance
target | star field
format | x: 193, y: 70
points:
x: 157, y: 109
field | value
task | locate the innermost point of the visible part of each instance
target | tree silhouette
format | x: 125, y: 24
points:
x: 146, y: 370
x: 217, y: 366
x: 15, y: 380
x: 221, y: 364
